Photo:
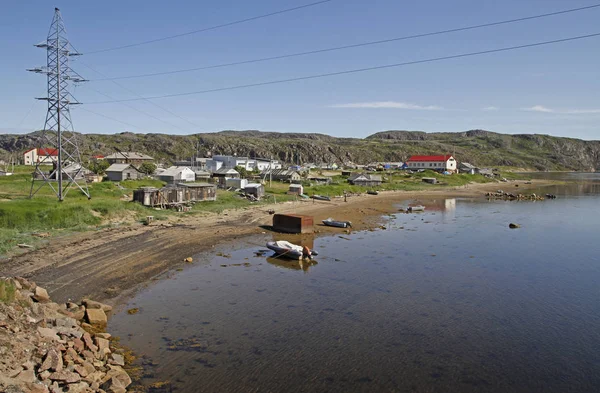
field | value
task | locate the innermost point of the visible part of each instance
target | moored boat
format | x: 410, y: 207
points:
x: 330, y: 222
x: 418, y: 208
x: 289, y: 250
x: 321, y: 198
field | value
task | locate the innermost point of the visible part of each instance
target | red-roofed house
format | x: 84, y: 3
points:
x: 436, y: 163
x: 46, y: 155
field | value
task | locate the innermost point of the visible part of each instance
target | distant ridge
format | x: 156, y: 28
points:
x: 479, y: 147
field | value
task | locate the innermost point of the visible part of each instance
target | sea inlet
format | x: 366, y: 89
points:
x: 448, y: 300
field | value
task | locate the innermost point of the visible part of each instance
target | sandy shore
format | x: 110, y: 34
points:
x: 108, y: 263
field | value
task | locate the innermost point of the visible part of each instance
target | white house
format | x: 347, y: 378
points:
x: 177, y: 174
x: 230, y: 162
x: 46, y: 155
x: 436, y: 163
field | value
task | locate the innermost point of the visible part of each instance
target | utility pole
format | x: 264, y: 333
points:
x: 53, y: 142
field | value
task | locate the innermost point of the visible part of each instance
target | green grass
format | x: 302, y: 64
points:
x: 21, y: 217
x: 7, y: 291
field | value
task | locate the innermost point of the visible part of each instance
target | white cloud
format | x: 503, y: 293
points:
x: 389, y: 104
x: 543, y: 109
x: 539, y: 108
x: 490, y: 109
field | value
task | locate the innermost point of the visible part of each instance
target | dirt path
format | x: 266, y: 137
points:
x: 105, y: 264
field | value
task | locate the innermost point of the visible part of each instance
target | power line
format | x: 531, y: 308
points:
x: 210, y: 28
x: 145, y: 99
x: 140, y: 111
x: 378, y: 42
x: 431, y: 60
x: 109, y: 118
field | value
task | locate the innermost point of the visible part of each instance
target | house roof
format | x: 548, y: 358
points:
x: 196, y: 185
x: 174, y: 171
x: 429, y: 158
x: 225, y: 171
x: 467, y: 165
x: 253, y: 185
x: 45, y: 151
x: 129, y: 155
x: 119, y: 167
x: 280, y: 172
x: 366, y: 176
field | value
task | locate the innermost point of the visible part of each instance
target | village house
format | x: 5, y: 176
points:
x: 365, y: 179
x: 175, y: 195
x: 128, y: 157
x: 465, y: 167
x: 282, y: 174
x: 257, y: 190
x: 46, y: 155
x: 226, y: 173
x: 177, y: 174
x: 120, y: 172
x: 445, y: 163
x: 201, y: 175
x: 250, y: 164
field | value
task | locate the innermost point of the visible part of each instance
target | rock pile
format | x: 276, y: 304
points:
x: 513, y: 197
x: 50, y: 347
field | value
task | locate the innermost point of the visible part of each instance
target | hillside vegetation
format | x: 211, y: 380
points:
x: 482, y: 148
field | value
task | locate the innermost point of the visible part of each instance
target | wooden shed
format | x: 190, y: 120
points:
x: 293, y: 223
x: 257, y: 190
x: 196, y: 192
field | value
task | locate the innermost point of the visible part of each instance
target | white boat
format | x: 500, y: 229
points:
x: 289, y: 250
x: 418, y: 208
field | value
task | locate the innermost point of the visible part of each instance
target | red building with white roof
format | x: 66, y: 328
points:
x: 436, y: 163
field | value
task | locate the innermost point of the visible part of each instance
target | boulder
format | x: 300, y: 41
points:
x: 79, y: 387
x: 48, y: 333
x: 102, y: 344
x: 41, y: 295
x: 53, y: 361
x: 87, y: 339
x: 26, y: 376
x: 188, y: 260
x: 117, y: 360
x: 103, y: 335
x: 35, y: 388
x: 78, y: 344
x: 113, y: 385
x: 65, y: 376
x: 96, y: 305
x: 118, y: 373
x: 513, y: 225
x: 96, y: 316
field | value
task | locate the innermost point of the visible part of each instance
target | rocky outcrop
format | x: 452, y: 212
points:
x: 45, y: 346
x: 479, y: 147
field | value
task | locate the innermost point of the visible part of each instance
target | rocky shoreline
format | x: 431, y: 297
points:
x: 51, y: 347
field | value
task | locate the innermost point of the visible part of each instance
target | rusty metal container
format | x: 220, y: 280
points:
x: 293, y: 223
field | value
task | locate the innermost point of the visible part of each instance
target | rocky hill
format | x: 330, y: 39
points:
x: 479, y: 147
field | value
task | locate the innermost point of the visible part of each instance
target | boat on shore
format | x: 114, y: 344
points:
x: 373, y: 192
x: 283, y: 248
x: 321, y: 198
x: 330, y: 222
x: 418, y: 208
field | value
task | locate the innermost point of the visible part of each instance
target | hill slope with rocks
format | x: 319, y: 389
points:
x: 479, y: 147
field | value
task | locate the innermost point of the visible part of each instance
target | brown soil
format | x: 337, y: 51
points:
x: 106, y: 264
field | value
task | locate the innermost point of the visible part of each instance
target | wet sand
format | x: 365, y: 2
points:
x: 110, y: 264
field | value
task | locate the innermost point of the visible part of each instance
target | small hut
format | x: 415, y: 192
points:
x: 295, y: 189
x: 255, y: 189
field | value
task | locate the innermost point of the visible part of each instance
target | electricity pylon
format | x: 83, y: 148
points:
x: 57, y: 143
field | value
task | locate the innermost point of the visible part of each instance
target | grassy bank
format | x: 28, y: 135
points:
x: 31, y: 221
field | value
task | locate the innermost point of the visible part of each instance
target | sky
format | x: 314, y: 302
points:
x: 553, y: 89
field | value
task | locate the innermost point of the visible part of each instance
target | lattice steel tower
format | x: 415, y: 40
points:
x: 57, y: 143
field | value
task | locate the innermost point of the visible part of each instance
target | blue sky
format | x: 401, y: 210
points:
x: 551, y: 90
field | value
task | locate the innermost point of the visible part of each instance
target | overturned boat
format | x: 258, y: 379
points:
x: 289, y: 250
x: 321, y: 198
x: 330, y: 222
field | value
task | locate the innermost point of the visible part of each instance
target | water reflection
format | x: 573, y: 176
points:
x: 292, y: 264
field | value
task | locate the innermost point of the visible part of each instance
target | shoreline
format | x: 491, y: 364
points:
x: 112, y: 264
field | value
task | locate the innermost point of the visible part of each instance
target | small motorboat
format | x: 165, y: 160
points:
x: 330, y: 222
x: 418, y: 208
x: 550, y: 196
x: 321, y: 198
x: 289, y: 250
x: 372, y: 192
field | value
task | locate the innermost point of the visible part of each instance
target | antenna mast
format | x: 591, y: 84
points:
x: 57, y: 144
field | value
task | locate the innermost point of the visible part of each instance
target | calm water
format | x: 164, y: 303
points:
x: 450, y: 300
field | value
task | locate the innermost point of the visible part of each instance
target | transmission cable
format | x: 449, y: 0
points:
x: 237, y: 22
x: 431, y: 60
x: 378, y: 42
